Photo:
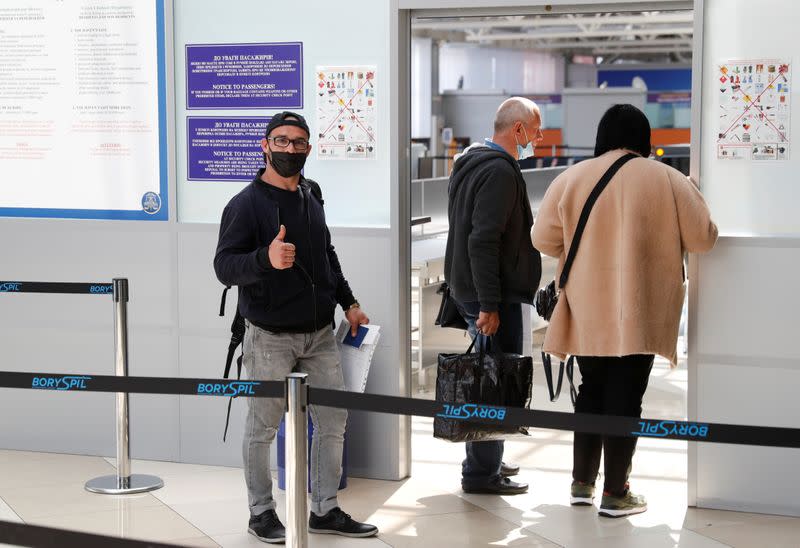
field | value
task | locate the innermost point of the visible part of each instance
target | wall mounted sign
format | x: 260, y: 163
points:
x: 347, y: 112
x: 224, y: 148
x: 83, y: 121
x: 244, y: 76
x: 754, y: 109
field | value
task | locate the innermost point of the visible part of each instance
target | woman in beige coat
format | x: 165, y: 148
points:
x: 622, y: 302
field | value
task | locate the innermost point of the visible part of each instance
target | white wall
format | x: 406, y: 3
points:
x: 330, y: 36
x: 421, y: 90
x: 581, y: 76
x: 744, y: 364
x: 493, y: 69
x: 173, y: 322
x: 750, y: 197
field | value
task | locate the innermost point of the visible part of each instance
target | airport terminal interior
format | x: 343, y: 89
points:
x: 155, y: 124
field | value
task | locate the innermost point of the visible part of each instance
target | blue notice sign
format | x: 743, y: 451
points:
x: 244, y: 76
x: 224, y: 149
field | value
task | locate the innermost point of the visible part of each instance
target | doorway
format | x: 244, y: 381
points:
x: 463, y: 64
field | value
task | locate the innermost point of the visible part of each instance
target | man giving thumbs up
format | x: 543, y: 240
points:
x: 281, y: 255
x: 274, y: 244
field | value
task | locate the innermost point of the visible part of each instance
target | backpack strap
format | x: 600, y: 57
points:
x: 230, y: 400
x: 222, y: 302
x: 237, y: 338
x: 237, y: 331
x: 314, y: 188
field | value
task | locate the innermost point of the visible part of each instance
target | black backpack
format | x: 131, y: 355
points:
x: 238, y: 327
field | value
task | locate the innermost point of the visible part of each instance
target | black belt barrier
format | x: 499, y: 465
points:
x: 99, y: 288
x: 141, y: 385
x: 22, y: 534
x: 576, y: 422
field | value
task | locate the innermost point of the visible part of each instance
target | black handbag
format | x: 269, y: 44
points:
x: 448, y: 315
x: 467, y: 381
x: 547, y: 296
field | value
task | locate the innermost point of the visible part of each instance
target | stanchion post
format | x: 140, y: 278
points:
x: 123, y: 482
x: 120, y: 295
x: 297, y: 460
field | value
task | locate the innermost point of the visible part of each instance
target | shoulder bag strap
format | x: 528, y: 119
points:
x: 587, y: 208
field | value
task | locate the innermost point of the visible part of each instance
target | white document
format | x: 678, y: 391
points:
x: 356, y: 361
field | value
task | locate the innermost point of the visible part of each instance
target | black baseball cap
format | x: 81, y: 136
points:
x: 287, y: 118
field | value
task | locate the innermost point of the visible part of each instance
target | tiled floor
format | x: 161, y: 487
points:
x: 206, y: 505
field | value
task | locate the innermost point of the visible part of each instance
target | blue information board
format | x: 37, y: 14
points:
x: 224, y: 148
x: 244, y: 76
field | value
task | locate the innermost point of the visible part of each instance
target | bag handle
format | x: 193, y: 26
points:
x: 569, y: 367
x: 587, y: 208
x: 548, y: 375
x: 495, y: 344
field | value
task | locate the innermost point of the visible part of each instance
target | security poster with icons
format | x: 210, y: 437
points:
x: 346, y: 112
x: 754, y: 108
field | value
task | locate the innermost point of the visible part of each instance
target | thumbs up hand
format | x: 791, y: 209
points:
x: 281, y: 255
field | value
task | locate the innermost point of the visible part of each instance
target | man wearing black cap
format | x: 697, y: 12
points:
x: 275, y: 245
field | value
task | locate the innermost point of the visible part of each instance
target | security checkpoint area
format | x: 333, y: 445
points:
x: 130, y: 416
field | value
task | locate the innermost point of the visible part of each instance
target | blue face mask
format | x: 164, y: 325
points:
x: 526, y: 151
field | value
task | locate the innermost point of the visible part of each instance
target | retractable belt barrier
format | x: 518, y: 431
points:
x: 99, y: 288
x: 141, y: 385
x: 576, y: 422
x: 36, y: 536
x: 123, y: 482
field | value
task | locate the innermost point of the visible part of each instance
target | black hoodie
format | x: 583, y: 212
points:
x: 490, y: 258
x: 301, y: 299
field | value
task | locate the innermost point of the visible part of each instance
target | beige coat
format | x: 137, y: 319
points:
x: 625, y: 290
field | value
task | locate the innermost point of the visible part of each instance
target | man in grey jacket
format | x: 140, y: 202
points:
x: 490, y: 264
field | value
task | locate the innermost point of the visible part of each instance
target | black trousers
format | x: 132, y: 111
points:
x: 609, y: 386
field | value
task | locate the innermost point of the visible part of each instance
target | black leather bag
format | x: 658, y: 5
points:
x: 448, y: 315
x: 546, y: 299
x: 489, y: 378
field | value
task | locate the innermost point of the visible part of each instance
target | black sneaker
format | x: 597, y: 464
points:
x: 499, y: 486
x: 267, y: 527
x: 337, y: 522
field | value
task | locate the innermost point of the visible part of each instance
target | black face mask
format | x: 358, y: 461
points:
x: 287, y: 164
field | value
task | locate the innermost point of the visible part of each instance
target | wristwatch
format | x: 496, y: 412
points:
x: 354, y: 305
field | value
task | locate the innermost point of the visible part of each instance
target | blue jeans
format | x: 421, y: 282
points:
x: 482, y: 464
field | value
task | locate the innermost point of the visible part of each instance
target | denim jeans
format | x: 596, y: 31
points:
x: 482, y: 464
x: 270, y: 357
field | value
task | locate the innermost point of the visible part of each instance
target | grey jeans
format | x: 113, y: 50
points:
x: 271, y: 356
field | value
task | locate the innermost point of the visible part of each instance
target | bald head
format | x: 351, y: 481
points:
x: 517, y: 123
x: 515, y: 109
